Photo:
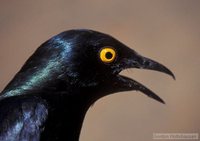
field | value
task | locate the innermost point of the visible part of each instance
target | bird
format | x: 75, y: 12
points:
x: 48, y: 98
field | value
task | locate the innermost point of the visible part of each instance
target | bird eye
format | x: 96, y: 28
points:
x: 107, y: 55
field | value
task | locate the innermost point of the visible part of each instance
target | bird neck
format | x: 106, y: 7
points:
x: 66, y: 115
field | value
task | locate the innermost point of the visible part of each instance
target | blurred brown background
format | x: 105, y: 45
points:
x: 165, y: 30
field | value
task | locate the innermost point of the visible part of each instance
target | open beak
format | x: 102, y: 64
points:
x: 134, y: 60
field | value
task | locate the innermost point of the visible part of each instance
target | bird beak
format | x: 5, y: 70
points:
x: 137, y: 61
x: 134, y: 60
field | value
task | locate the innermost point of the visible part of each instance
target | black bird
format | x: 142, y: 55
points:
x: 48, y: 98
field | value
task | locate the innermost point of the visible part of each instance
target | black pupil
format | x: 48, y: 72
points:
x: 109, y: 55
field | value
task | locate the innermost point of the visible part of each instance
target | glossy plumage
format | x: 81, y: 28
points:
x: 48, y: 98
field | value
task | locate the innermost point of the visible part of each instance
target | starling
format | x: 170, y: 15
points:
x: 48, y: 98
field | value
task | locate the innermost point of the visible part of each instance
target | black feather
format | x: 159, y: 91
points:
x: 48, y: 98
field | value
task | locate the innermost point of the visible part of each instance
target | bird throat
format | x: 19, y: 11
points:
x: 66, y: 115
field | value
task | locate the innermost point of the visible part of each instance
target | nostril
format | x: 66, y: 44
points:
x: 146, y: 63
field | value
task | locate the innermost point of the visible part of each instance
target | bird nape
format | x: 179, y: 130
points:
x: 48, y: 98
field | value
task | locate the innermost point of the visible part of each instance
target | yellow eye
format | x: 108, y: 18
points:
x: 107, y: 55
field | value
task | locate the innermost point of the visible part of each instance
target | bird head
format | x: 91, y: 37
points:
x: 88, y: 59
